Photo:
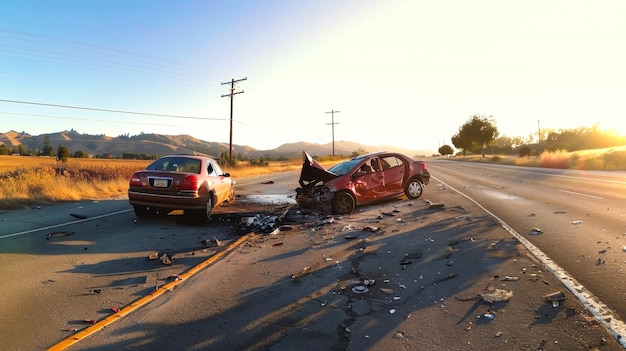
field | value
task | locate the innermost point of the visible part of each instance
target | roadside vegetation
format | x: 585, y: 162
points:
x: 27, y: 181
x: 608, y: 159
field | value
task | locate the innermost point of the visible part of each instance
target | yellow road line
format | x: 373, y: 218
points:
x: 126, y: 310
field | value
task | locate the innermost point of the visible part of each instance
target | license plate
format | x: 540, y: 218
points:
x: 160, y: 183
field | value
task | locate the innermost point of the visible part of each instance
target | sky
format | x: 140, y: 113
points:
x: 404, y: 73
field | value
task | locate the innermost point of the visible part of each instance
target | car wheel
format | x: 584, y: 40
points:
x: 343, y: 203
x: 206, y: 214
x: 142, y: 211
x: 414, y: 188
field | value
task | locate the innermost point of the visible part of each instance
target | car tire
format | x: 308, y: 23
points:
x: 343, y: 203
x: 414, y: 188
x: 142, y: 211
x: 206, y: 214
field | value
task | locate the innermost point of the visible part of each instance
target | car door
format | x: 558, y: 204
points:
x: 219, y: 183
x: 370, y: 186
x: 393, y: 170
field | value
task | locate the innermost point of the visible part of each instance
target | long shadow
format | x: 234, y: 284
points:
x: 315, y: 310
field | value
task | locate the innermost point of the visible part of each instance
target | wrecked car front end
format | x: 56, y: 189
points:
x: 313, y: 192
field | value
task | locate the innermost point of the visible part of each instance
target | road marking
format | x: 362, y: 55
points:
x: 133, y: 306
x: 574, y: 193
x: 592, y: 303
x: 62, y: 224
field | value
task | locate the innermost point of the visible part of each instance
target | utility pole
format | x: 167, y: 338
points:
x: 538, y: 132
x: 231, y: 95
x: 332, y: 115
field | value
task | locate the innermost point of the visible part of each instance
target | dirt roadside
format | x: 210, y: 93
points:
x: 405, y: 275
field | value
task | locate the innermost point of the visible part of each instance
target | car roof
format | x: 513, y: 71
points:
x: 370, y: 155
x: 188, y: 156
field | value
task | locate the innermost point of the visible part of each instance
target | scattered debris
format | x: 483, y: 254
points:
x: 510, y: 278
x: 277, y: 244
x: 535, y: 231
x: 555, y: 296
x: 371, y: 229
x: 434, y: 206
x: 154, y: 256
x: 58, y: 234
x: 89, y: 321
x: 304, y: 271
x: 350, y: 237
x: 386, y: 291
x: 115, y: 309
x: 268, y: 182
x: 360, y: 289
x: 166, y: 259
x: 212, y: 243
x: 577, y: 222
x: 97, y: 291
x: 496, y: 295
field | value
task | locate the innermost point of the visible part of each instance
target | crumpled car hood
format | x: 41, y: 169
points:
x: 312, y: 172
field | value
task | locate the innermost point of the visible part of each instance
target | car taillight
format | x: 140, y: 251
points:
x: 189, y: 183
x: 135, y: 180
x: 424, y: 166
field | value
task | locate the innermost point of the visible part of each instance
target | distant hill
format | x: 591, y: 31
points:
x: 157, y: 144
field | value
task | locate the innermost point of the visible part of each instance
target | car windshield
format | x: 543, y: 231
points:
x: 176, y: 164
x: 344, y: 167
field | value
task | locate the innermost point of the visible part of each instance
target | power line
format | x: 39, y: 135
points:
x: 114, y: 111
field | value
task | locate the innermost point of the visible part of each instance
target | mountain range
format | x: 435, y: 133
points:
x: 158, y: 144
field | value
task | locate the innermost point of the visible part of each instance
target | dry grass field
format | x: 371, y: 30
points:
x: 26, y: 181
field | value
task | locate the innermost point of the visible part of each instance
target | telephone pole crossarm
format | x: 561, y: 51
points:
x: 232, y: 95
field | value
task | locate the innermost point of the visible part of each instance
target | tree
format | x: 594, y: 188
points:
x: 446, y: 150
x: 62, y: 153
x: 47, y: 150
x: 477, y: 132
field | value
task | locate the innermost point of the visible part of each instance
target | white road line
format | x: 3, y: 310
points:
x: 574, y: 193
x: 62, y: 224
x: 600, y: 311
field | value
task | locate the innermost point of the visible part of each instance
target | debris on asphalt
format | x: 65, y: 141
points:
x: 166, y: 259
x: 304, y: 271
x: 535, y: 231
x: 510, y: 278
x: 577, y: 222
x: 434, y: 206
x: 58, y: 234
x: 154, y: 256
x: 360, y: 289
x: 555, y: 296
x: 496, y: 295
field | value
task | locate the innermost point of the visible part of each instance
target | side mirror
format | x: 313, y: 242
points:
x: 226, y: 174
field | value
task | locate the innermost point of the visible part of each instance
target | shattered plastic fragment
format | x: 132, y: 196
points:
x: 577, y: 222
x: 58, y: 234
x: 555, y: 296
x: 360, y: 289
x: 496, y: 295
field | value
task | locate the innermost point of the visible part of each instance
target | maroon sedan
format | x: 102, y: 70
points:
x: 364, y: 179
x: 194, y: 184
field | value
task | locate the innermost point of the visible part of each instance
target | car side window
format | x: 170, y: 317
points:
x: 390, y: 162
x: 210, y: 169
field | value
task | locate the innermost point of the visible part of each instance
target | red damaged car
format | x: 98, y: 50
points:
x: 364, y: 179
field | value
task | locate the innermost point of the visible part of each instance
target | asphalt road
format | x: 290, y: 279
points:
x: 69, y: 265
x: 580, y: 217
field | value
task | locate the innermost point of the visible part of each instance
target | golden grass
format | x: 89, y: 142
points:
x: 613, y: 158
x: 26, y: 181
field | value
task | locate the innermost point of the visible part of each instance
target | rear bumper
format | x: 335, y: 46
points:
x: 176, y: 202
